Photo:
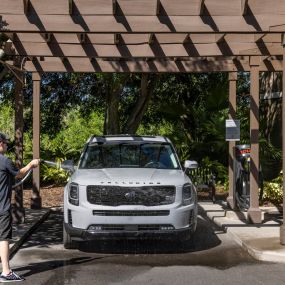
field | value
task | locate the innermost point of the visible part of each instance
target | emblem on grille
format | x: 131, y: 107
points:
x: 130, y: 195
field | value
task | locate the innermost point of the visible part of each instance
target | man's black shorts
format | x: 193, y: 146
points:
x: 5, y: 226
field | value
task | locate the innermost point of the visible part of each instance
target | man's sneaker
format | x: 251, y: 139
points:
x: 11, y: 277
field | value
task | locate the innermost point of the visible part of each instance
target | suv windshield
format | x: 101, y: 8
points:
x: 129, y: 155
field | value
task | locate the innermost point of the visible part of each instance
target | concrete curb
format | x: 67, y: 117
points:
x: 15, y: 247
x: 261, y: 255
x: 258, y: 254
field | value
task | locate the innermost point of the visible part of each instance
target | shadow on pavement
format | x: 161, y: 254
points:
x: 205, y: 248
x: 204, y: 239
x: 49, y: 233
x: 34, y: 268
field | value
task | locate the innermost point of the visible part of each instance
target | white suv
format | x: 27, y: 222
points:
x: 129, y: 187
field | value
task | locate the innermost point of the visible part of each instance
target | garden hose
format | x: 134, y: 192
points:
x: 57, y: 165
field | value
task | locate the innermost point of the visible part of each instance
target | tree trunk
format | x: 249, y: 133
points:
x: 115, y: 88
x: 141, y: 105
x: 271, y: 108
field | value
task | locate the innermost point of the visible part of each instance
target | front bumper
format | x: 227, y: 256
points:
x: 85, y: 235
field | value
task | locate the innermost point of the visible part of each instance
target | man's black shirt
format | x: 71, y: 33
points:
x: 7, y: 173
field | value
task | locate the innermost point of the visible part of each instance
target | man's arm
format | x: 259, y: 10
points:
x: 33, y: 164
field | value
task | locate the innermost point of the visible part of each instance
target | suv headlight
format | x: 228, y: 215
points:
x: 73, y: 194
x: 187, y: 194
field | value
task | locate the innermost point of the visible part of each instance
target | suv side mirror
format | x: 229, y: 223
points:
x: 68, y: 165
x: 190, y: 164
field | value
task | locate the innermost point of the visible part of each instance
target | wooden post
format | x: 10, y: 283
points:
x: 282, y: 228
x: 36, y: 202
x: 18, y: 211
x: 254, y: 212
x: 232, y: 115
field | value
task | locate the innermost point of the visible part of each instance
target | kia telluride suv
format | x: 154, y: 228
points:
x: 129, y: 187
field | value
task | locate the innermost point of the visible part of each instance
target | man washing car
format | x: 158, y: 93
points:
x: 7, y: 172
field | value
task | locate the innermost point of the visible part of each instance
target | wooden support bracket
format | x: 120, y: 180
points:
x: 244, y: 7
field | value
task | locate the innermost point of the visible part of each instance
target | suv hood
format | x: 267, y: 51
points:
x: 129, y: 176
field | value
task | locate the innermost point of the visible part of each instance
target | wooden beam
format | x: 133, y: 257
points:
x: 36, y: 201
x: 26, y: 4
x: 254, y: 212
x: 282, y: 228
x: 232, y: 115
x: 141, y: 65
x: 244, y: 7
x: 108, y: 24
x: 144, y: 49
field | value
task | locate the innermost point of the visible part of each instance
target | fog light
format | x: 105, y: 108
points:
x: 166, y: 228
x: 95, y: 228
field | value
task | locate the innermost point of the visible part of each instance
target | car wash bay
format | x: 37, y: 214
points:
x: 146, y: 36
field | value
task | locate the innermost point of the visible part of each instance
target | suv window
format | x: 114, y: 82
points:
x: 129, y: 155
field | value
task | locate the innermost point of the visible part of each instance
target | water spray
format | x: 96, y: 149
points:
x: 67, y: 166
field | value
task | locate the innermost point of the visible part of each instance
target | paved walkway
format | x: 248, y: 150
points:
x: 33, y: 218
x: 262, y: 241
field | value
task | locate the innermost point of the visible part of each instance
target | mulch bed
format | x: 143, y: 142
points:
x: 52, y: 196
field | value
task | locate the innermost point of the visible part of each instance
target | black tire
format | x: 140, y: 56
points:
x: 68, y: 243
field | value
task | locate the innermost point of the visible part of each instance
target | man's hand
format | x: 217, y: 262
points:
x: 32, y: 164
x: 35, y: 163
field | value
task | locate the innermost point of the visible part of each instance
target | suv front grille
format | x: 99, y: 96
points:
x: 116, y: 195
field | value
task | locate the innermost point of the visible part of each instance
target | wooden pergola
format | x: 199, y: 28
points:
x: 148, y: 36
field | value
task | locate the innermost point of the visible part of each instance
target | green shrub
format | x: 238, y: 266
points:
x: 53, y: 174
x: 68, y: 143
x: 273, y: 190
x: 7, y: 120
